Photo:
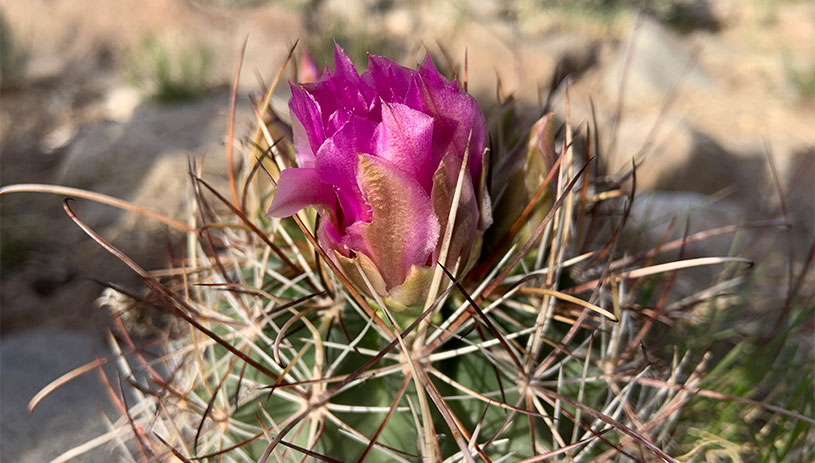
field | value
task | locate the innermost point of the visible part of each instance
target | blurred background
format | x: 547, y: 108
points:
x: 715, y: 98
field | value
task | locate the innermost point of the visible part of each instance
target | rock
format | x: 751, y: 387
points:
x: 797, y: 177
x: 439, y: 19
x: 121, y: 103
x: 400, y: 21
x: 69, y: 416
x: 58, y: 138
x: 669, y: 151
x: 165, y: 188
x: 269, y: 31
x: 525, y: 63
x: 683, y: 157
x: 574, y: 54
x: 494, y: 52
x: 349, y: 12
x: 653, y: 211
x: 144, y: 161
x: 654, y: 64
x: 118, y: 158
x: 691, y: 161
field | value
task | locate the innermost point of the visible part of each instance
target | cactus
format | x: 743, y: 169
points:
x: 533, y: 353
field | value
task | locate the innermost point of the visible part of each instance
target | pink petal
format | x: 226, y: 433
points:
x: 343, y: 91
x: 346, y: 73
x: 307, y: 70
x: 337, y: 165
x: 403, y: 230
x: 457, y: 115
x: 307, y: 124
x: 344, y: 69
x: 299, y: 188
x: 405, y: 138
x: 330, y: 237
x: 390, y: 80
x: 336, y: 120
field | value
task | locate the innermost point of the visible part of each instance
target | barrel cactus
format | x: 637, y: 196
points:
x: 398, y: 278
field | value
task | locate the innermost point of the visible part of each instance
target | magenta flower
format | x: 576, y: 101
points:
x: 379, y: 155
x: 307, y: 70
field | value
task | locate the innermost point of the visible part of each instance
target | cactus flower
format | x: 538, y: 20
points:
x: 379, y: 156
x: 307, y: 70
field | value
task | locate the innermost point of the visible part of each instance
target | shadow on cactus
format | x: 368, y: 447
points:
x: 431, y: 285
